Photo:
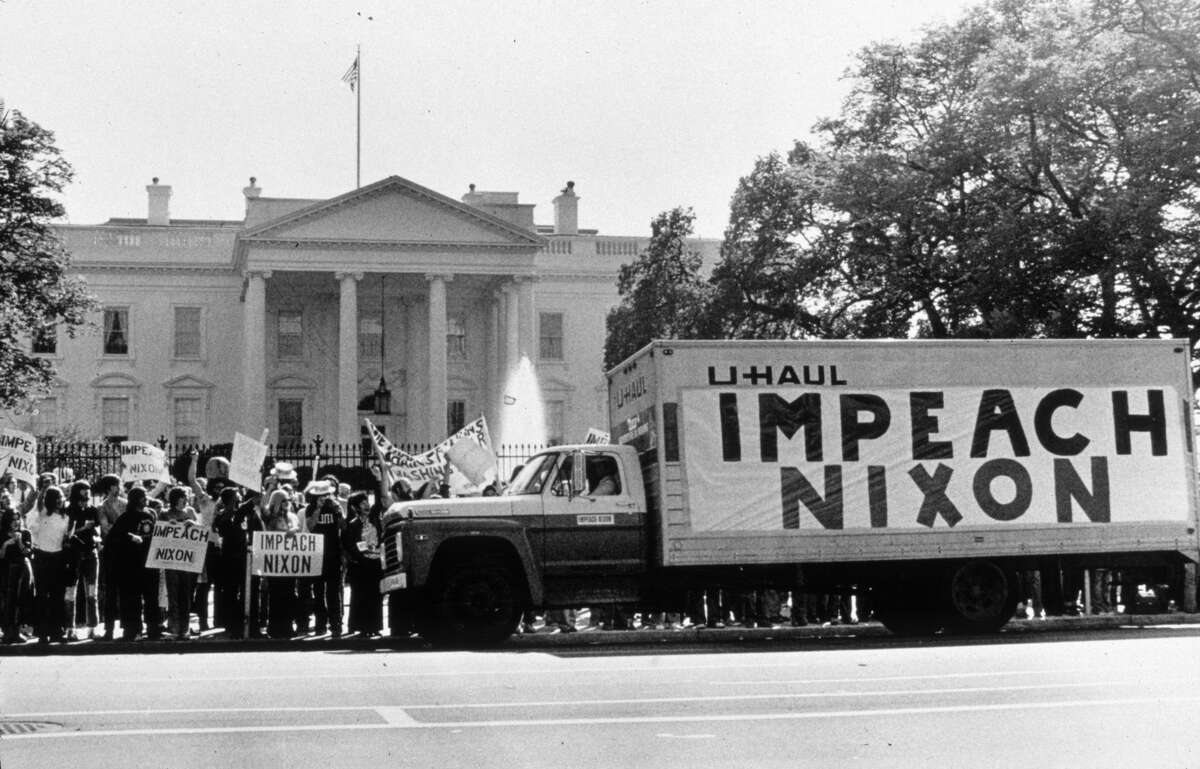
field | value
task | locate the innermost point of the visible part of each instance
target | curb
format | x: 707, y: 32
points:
x: 215, y: 641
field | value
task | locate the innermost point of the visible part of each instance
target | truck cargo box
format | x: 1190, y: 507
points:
x: 762, y: 452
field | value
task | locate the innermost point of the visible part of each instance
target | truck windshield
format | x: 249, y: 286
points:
x: 533, y: 476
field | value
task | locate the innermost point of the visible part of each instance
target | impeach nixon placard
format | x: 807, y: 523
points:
x: 178, y: 546
x: 18, y: 455
x: 287, y: 554
x: 780, y: 458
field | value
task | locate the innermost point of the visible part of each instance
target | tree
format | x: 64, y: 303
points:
x: 661, y: 291
x: 1030, y: 170
x: 37, y: 296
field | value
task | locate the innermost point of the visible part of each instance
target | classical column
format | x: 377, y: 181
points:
x: 347, y: 399
x: 437, y: 356
x: 512, y: 347
x: 254, y: 354
x: 495, y: 381
x: 525, y: 325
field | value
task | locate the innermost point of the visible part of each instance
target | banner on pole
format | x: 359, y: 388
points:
x: 178, y: 546
x: 18, y: 455
x: 245, y: 464
x: 287, y: 554
x: 465, y: 460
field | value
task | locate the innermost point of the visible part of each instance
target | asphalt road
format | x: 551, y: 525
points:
x: 1118, y: 697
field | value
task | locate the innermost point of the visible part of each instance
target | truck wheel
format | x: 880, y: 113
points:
x: 910, y: 609
x: 475, y: 605
x: 982, y: 595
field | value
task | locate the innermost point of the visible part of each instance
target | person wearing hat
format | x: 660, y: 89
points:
x: 324, y: 517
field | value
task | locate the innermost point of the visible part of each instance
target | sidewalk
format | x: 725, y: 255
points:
x: 216, y: 640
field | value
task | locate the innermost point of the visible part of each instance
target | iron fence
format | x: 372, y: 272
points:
x: 350, y: 462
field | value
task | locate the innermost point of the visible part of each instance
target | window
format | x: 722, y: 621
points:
x: 370, y: 336
x: 291, y: 421
x: 456, y: 416
x: 188, y: 429
x: 550, y: 335
x: 456, y: 338
x: 291, y: 335
x: 45, y: 419
x: 187, y: 332
x: 555, y: 415
x: 45, y: 340
x: 116, y: 331
x: 114, y: 419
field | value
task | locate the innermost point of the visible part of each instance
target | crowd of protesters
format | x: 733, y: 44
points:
x: 73, y: 558
x: 73, y: 565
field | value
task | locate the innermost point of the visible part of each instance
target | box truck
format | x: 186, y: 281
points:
x: 927, y: 474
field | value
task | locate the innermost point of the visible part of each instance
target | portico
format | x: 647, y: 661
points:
x: 448, y: 287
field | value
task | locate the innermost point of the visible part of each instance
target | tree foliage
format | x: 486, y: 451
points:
x: 36, y: 293
x: 662, y: 291
x: 1029, y: 170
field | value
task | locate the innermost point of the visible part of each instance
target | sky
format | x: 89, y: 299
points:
x: 644, y: 105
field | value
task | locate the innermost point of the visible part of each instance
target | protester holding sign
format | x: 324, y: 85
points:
x: 281, y: 591
x: 361, y: 541
x: 112, y: 505
x: 82, y: 556
x: 48, y: 526
x: 236, y: 522
x: 180, y: 583
x: 324, y: 517
x: 15, y: 549
x: 206, y: 495
x: 125, y: 550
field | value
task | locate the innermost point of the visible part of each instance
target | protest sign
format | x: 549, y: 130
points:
x: 287, y: 554
x: 245, y: 466
x: 597, y: 436
x: 143, y: 462
x: 18, y: 455
x: 178, y: 546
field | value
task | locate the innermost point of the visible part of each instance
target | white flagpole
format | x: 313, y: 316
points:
x: 358, y: 124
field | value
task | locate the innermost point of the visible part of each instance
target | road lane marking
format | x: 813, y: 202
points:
x: 715, y: 718
x: 615, y: 701
x: 577, y: 671
x: 396, y: 716
x: 932, y: 676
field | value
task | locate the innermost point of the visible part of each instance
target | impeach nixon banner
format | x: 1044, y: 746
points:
x: 143, y: 462
x: 791, y: 458
x: 287, y: 554
x: 178, y: 546
x: 18, y: 455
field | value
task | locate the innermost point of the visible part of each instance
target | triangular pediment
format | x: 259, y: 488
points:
x: 393, y: 210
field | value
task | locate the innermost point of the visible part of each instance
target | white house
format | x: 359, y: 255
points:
x: 290, y: 318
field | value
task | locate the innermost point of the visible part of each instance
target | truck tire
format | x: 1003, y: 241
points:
x: 475, y: 604
x: 911, y: 607
x: 982, y: 597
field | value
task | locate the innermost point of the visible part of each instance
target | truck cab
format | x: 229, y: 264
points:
x: 569, y: 530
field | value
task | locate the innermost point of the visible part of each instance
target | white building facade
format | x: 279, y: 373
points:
x: 289, y: 319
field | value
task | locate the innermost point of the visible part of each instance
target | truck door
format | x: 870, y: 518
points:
x: 598, y: 531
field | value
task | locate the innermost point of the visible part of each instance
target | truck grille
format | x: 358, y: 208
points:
x: 393, y: 551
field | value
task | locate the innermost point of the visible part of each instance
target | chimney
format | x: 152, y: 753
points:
x: 159, y: 212
x: 566, y: 211
x: 252, y: 192
x: 473, y: 198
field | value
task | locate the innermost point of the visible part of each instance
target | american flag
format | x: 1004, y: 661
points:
x: 351, y: 76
